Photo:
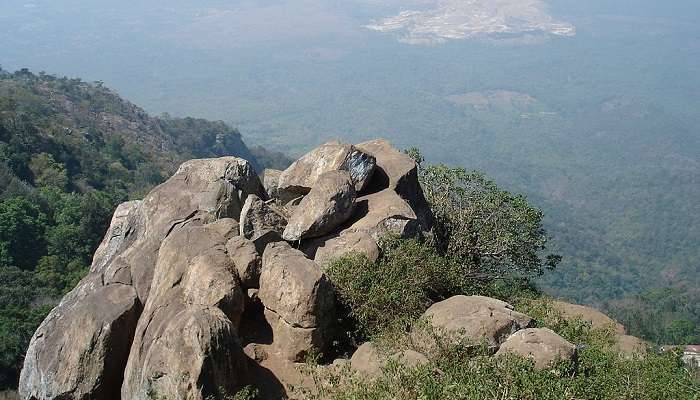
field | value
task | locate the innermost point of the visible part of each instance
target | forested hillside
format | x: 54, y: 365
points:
x: 71, y: 151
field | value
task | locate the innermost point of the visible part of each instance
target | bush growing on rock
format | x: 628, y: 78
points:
x: 492, y: 233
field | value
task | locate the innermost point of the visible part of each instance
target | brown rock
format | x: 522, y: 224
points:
x: 327, y: 249
x: 398, y: 172
x: 186, y: 343
x: 367, y: 360
x: 474, y: 319
x: 370, y: 361
x: 329, y: 204
x: 381, y: 213
x: 246, y: 259
x: 597, y: 319
x: 259, y: 217
x: 542, y: 345
x: 298, y: 299
x: 630, y: 346
x: 82, y: 354
x: 300, y: 177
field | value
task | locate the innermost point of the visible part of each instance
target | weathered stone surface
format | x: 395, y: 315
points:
x: 398, y: 172
x: 631, y: 346
x: 258, y: 217
x: 475, y: 319
x: 597, y: 319
x: 246, y: 259
x: 300, y: 177
x: 271, y: 181
x: 542, y: 345
x: 186, y: 343
x: 82, y: 354
x: 378, y: 214
x: 369, y: 360
x: 298, y: 299
x: 329, y: 204
x: 326, y: 249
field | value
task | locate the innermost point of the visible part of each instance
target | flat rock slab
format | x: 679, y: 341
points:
x: 324, y: 250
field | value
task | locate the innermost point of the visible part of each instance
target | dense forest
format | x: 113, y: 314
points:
x: 70, y: 151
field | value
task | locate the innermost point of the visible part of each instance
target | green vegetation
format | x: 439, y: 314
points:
x: 382, y: 301
x: 664, y: 316
x: 458, y: 371
x: 69, y: 153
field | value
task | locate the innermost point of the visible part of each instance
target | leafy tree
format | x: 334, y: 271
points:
x: 22, y: 227
x: 48, y: 172
x: 492, y: 233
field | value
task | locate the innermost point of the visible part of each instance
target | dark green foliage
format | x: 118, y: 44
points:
x: 663, y: 316
x: 457, y: 371
x: 492, y: 233
x: 397, y: 289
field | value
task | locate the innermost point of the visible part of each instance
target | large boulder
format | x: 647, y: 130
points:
x: 474, y: 320
x: 259, y: 217
x: 298, y: 300
x: 597, y: 319
x: 186, y: 343
x: 300, y: 177
x: 329, y: 204
x: 82, y: 355
x: 94, y: 324
x: 542, y: 345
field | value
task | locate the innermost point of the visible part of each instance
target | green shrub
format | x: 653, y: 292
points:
x: 397, y: 289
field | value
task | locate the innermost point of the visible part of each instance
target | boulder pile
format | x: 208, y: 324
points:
x: 214, y: 273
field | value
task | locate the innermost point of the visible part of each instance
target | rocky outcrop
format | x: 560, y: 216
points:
x: 398, y: 172
x: 474, y: 320
x: 300, y: 177
x: 541, y: 345
x: 198, y: 271
x: 330, y: 202
x: 298, y: 299
x: 80, y: 350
